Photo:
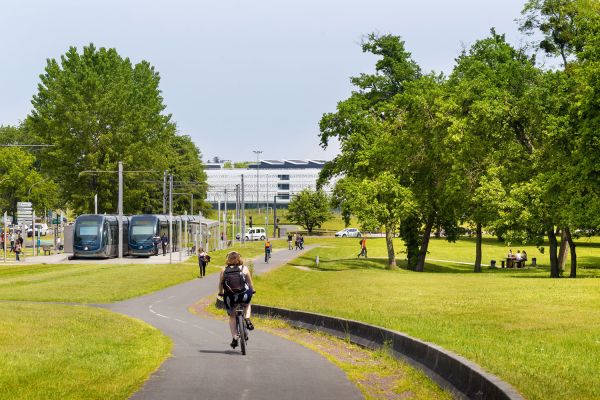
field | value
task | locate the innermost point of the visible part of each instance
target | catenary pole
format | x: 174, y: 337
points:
x: 120, y: 206
x: 170, y: 218
x: 164, y: 192
x: 243, y: 221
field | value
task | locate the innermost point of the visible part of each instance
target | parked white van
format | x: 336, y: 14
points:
x: 253, y: 234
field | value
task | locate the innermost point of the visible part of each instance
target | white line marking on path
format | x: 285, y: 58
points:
x: 178, y: 320
x: 163, y: 316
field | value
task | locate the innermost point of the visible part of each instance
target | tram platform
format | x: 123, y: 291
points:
x: 63, y: 258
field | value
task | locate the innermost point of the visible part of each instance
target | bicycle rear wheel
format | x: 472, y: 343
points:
x: 242, y: 332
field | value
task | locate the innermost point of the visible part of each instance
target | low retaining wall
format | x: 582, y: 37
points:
x: 463, y: 377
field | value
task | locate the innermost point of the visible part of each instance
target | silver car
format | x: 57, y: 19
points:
x: 348, y: 232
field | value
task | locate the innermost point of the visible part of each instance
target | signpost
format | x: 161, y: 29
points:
x: 24, y: 212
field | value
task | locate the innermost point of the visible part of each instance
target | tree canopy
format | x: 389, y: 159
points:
x: 98, y: 108
x: 309, y: 209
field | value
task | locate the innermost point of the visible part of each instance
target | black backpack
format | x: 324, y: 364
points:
x: 234, y: 280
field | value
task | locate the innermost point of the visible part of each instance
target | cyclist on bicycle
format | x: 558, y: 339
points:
x: 236, y: 287
x: 268, y: 250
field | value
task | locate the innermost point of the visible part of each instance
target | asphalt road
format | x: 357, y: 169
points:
x: 203, y: 365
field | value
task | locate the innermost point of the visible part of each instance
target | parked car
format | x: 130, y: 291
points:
x: 348, y: 232
x: 41, y: 228
x: 253, y: 234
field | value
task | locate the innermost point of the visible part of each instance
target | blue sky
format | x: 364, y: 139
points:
x: 242, y: 75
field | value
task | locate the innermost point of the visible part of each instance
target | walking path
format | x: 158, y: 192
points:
x: 203, y: 365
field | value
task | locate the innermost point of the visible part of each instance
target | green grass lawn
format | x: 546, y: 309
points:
x: 67, y: 352
x: 542, y: 335
x: 104, y: 283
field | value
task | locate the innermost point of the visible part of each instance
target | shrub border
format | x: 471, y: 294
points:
x: 453, y: 372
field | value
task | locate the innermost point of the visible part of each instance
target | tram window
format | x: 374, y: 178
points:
x: 88, y: 231
x: 142, y: 232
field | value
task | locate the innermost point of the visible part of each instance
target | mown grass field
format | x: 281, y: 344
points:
x: 60, y: 351
x: 103, y: 283
x: 67, y: 352
x: 541, y: 335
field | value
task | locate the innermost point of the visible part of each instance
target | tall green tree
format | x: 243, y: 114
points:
x: 364, y: 123
x: 97, y: 108
x: 309, y: 209
x: 490, y: 140
x: 20, y: 181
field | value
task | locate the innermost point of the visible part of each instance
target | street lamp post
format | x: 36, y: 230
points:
x: 257, y: 152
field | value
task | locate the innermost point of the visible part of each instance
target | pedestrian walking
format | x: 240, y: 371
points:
x: 363, y: 248
x: 165, y: 241
x: 301, y: 242
x: 18, y: 250
x: 290, y: 237
x: 203, y: 260
x: 13, y: 237
x: 297, y: 241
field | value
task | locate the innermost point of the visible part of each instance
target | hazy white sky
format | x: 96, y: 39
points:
x: 241, y: 75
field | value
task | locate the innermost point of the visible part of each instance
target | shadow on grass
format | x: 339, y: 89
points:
x: 588, y: 262
x: 345, y: 264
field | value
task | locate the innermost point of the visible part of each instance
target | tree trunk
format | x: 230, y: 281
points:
x: 573, y: 273
x: 554, y: 270
x: 409, y: 232
x: 563, y: 251
x: 425, y: 244
x: 389, y: 241
x: 478, y: 241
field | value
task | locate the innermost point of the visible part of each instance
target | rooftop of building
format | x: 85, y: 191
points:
x: 275, y: 164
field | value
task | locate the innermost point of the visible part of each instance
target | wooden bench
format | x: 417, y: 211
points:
x: 48, y: 249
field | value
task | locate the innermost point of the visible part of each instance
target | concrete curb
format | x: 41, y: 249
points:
x: 453, y: 372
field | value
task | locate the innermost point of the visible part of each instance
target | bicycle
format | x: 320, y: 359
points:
x: 240, y: 324
x: 267, y: 256
x: 242, y: 330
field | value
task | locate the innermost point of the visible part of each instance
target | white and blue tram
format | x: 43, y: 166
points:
x: 145, y: 229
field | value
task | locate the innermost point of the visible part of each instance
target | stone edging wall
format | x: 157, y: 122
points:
x: 465, y: 378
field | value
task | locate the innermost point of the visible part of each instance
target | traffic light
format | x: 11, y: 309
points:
x: 251, y: 221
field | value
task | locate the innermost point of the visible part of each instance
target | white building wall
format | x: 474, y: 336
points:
x: 282, y: 182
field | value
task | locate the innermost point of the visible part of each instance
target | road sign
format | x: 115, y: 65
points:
x: 24, y: 204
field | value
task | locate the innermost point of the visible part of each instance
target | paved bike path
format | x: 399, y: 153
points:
x: 203, y: 365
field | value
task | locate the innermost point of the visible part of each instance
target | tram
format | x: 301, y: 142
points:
x: 97, y: 236
x: 144, y: 229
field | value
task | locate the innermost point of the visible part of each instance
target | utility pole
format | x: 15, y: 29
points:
x: 275, y: 216
x: 236, y: 218
x: 225, y: 218
x: 170, y: 218
x: 243, y: 221
x: 267, y: 210
x: 164, y: 192
x: 219, y: 228
x: 120, y: 205
x: 257, y: 152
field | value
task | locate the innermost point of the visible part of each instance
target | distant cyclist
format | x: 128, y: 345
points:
x: 236, y: 287
x: 268, y: 250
